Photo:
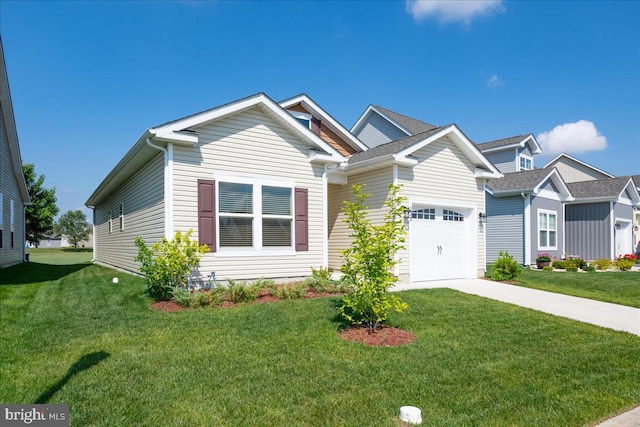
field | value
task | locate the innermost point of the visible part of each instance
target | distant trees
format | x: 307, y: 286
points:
x: 39, y: 216
x: 74, y: 226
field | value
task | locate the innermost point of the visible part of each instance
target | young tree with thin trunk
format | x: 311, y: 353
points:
x: 39, y: 216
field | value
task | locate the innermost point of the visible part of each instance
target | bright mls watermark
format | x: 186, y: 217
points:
x: 34, y: 415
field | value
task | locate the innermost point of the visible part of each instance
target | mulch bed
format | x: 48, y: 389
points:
x: 384, y: 336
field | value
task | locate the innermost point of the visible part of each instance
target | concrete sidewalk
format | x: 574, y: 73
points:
x: 613, y: 316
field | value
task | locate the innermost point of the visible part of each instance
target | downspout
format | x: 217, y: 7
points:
x: 527, y: 229
x: 95, y: 236
x: 396, y: 268
x: 168, y: 186
x: 325, y: 219
x: 612, y: 227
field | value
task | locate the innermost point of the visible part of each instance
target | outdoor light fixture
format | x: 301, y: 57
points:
x: 406, y: 212
x: 635, y: 228
x: 617, y: 226
x: 482, y: 217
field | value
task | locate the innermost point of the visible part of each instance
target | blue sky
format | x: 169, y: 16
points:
x: 87, y: 78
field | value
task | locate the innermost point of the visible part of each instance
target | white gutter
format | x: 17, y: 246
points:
x: 168, y: 187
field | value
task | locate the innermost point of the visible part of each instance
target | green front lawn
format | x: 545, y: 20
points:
x: 69, y: 335
x: 618, y: 287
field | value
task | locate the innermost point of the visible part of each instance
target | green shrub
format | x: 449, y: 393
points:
x: 371, y: 258
x: 577, y: 262
x: 559, y: 264
x: 602, y: 264
x: 625, y: 262
x: 323, y: 273
x: 505, y: 268
x: 199, y: 299
x: 289, y: 291
x: 238, y: 292
x: 166, y: 265
x: 571, y: 267
x: 589, y: 268
x: 547, y: 268
x: 181, y: 295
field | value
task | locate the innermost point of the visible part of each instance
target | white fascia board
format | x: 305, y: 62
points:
x: 554, y: 176
x: 268, y: 105
x: 590, y: 200
x: 634, y: 192
x: 534, y: 143
x: 462, y: 142
x: 326, y: 118
x: 314, y: 156
x: 177, y: 137
x: 483, y: 173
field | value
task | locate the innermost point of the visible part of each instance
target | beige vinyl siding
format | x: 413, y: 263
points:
x: 377, y: 184
x: 10, y: 191
x: 571, y: 171
x: 143, y: 198
x: 249, y: 144
x: 444, y: 173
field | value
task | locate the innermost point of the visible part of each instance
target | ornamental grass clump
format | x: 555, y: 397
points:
x: 369, y: 261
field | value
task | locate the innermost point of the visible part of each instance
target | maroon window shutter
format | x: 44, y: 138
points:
x: 302, y: 219
x: 207, y: 213
x: 315, y: 125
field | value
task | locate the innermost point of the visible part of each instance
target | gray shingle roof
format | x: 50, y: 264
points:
x: 393, y: 147
x: 601, y: 188
x: 636, y: 180
x: 504, y: 142
x: 412, y: 125
x: 518, y: 181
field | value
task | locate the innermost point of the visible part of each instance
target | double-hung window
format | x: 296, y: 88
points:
x: 277, y: 216
x: 254, y: 215
x: 547, y: 230
x: 526, y: 163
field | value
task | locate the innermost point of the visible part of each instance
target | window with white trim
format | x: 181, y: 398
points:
x: 526, y: 163
x: 303, y: 118
x: 427, y: 213
x: 12, y: 219
x: 253, y: 215
x: 121, y: 217
x: 448, y: 215
x: 547, y: 229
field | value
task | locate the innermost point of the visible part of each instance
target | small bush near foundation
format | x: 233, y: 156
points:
x: 547, y: 268
x: 292, y: 291
x: 571, y: 268
x: 238, y: 292
x: 505, y: 268
x: 577, y: 262
x: 560, y: 264
x: 323, y: 273
x: 589, y: 268
x: 602, y: 264
x: 625, y: 262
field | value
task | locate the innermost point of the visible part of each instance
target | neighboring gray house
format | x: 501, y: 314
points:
x: 600, y: 219
x: 14, y: 194
x: 513, y: 154
x: 378, y: 125
x: 525, y: 215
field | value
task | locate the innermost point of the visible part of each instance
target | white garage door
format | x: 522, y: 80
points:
x: 439, y: 240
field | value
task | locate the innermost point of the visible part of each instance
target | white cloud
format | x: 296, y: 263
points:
x: 495, y: 81
x: 578, y: 137
x: 453, y: 10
